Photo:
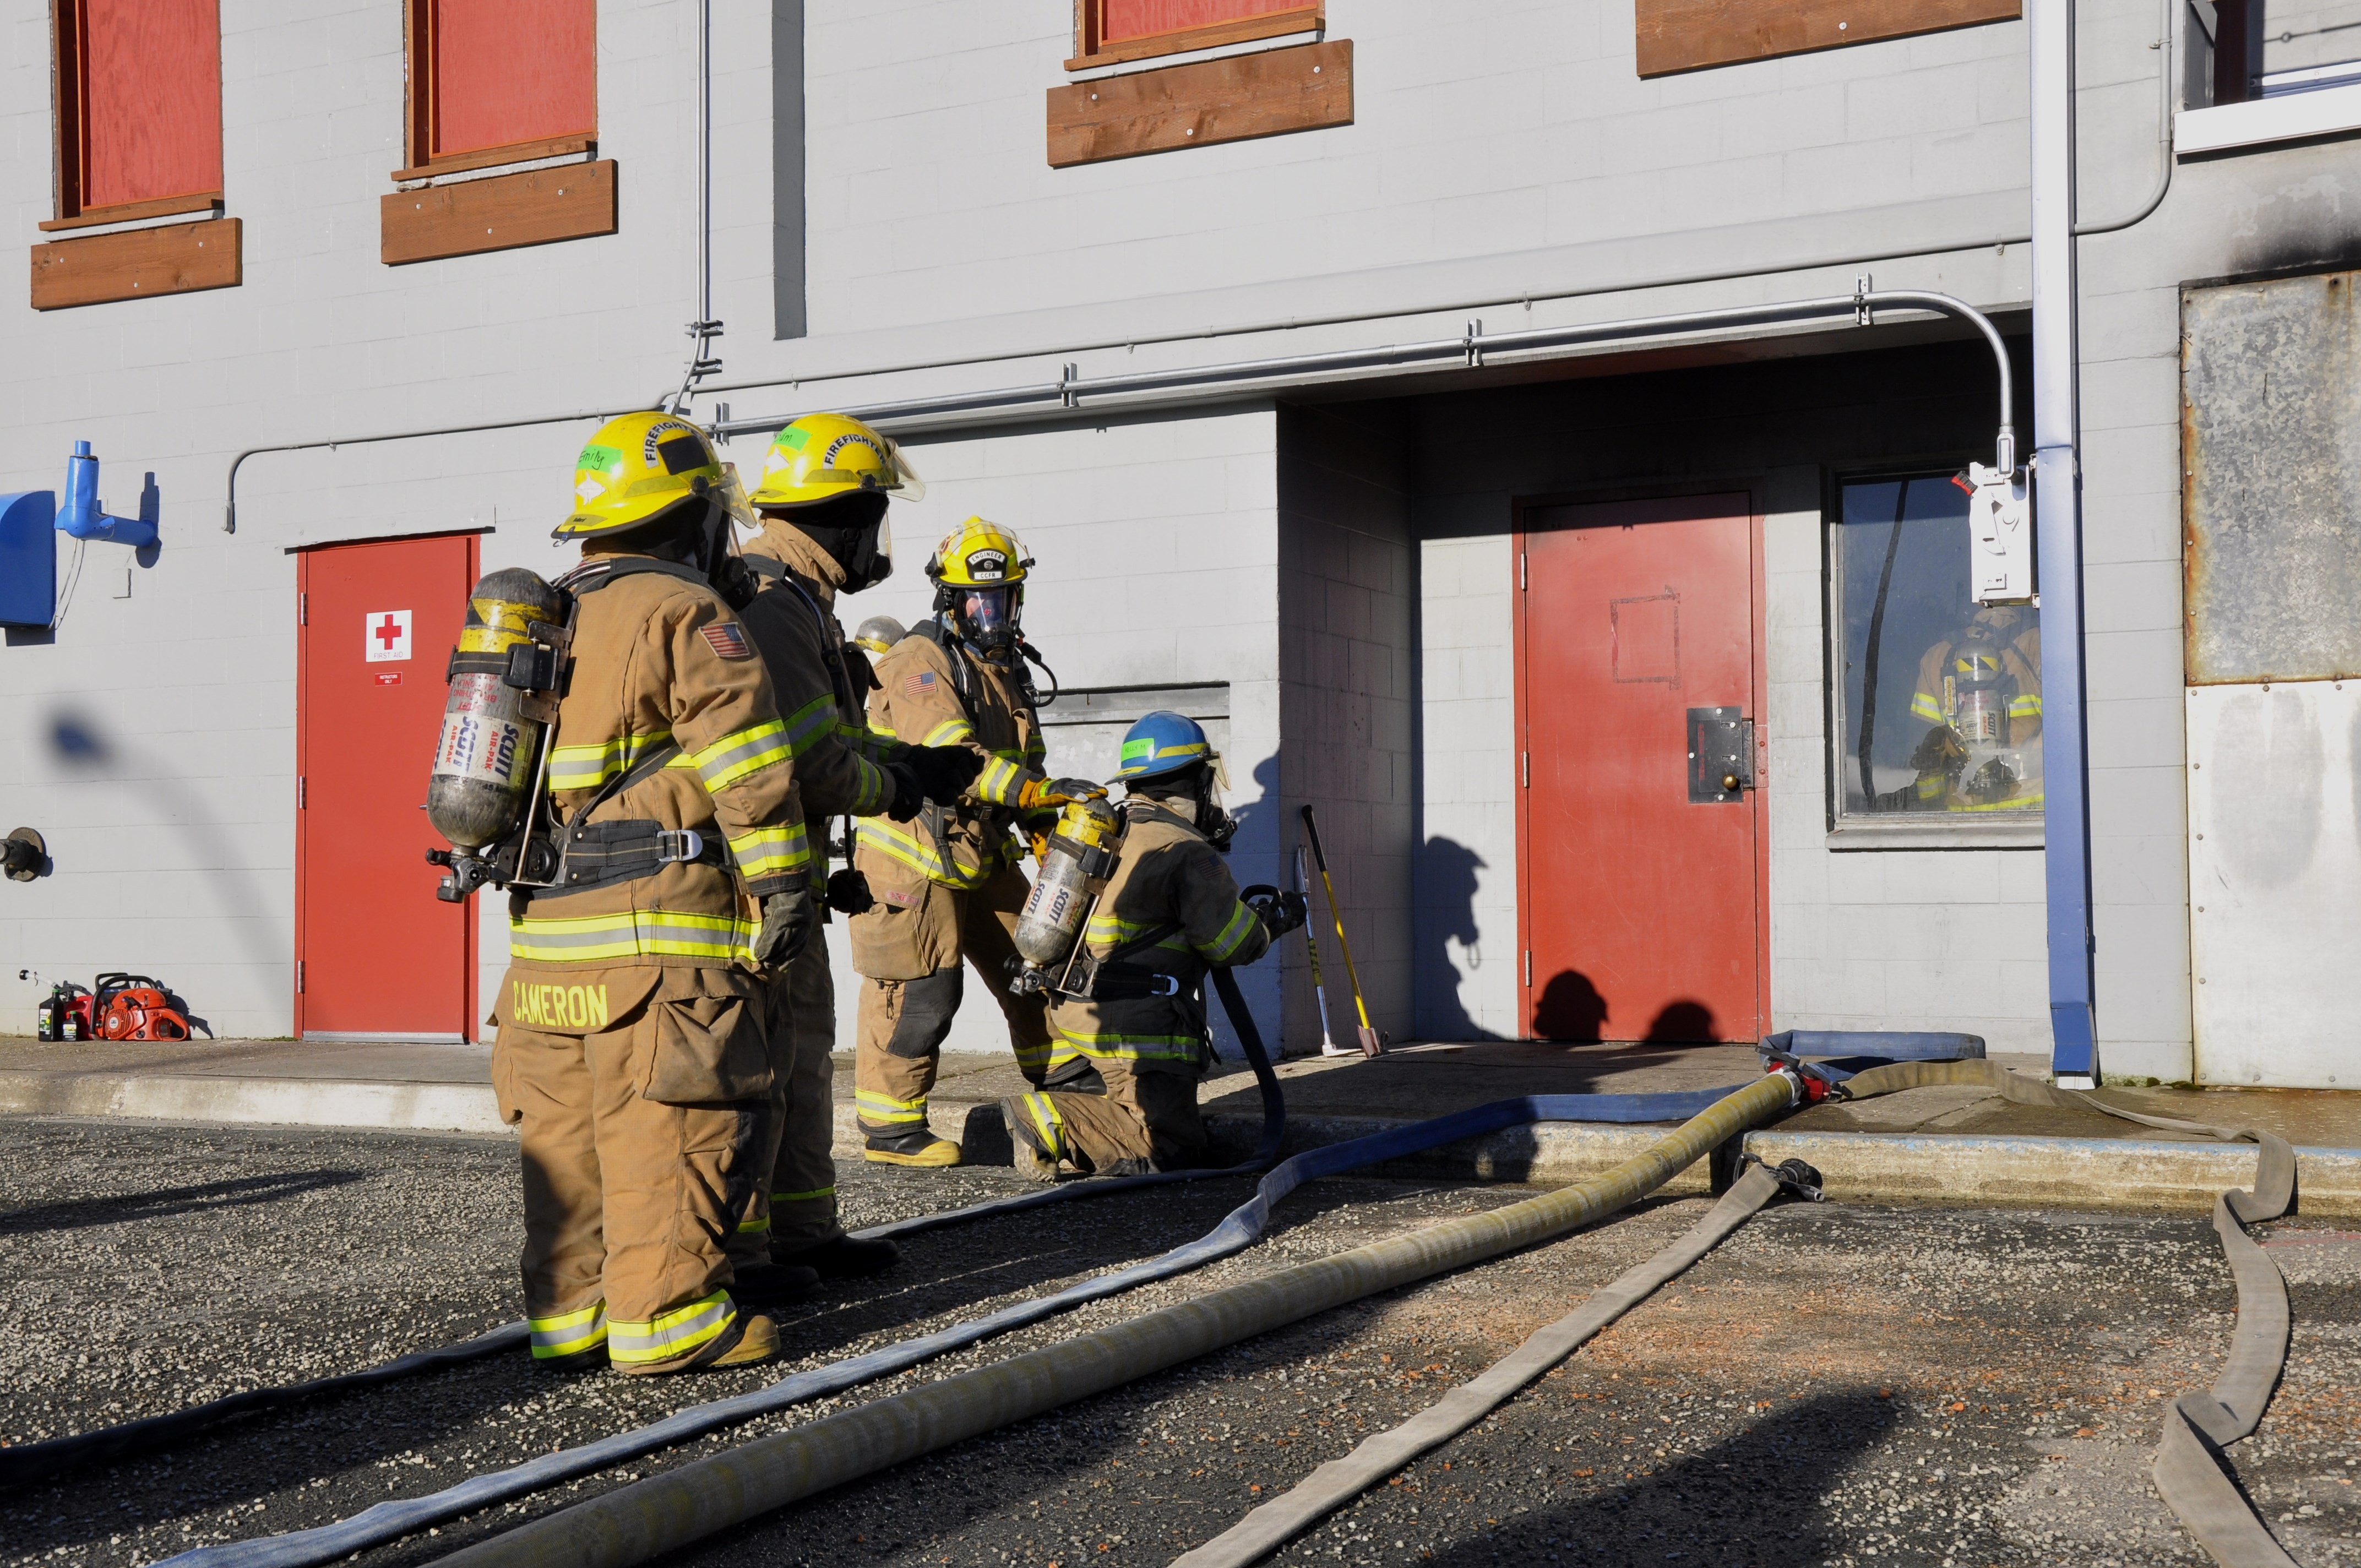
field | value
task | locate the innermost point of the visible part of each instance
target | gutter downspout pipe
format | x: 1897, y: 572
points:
x: 2058, y: 511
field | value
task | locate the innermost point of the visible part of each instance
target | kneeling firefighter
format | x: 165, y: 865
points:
x: 823, y: 498
x: 1120, y: 1098
x: 946, y: 886
x: 630, y: 1043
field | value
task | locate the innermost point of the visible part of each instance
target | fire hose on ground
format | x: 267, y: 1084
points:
x: 393, y: 1519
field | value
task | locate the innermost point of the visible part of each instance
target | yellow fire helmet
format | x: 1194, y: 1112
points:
x: 979, y: 554
x: 821, y: 456
x: 636, y: 467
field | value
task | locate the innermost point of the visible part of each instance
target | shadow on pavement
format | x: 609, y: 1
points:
x: 166, y: 1202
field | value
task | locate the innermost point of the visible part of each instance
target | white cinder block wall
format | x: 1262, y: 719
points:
x: 1501, y: 150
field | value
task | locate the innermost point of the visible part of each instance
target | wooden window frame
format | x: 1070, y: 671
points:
x: 70, y: 137
x: 418, y: 111
x: 1090, y: 52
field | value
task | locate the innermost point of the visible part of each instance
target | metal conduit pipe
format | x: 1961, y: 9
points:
x: 637, y: 1522
x: 1471, y: 348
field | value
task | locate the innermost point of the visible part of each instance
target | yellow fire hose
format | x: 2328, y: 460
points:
x: 637, y: 1522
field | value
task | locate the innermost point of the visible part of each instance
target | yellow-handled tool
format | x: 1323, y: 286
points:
x: 1372, y: 1044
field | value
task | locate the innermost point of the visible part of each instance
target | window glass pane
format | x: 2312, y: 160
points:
x: 1941, y: 709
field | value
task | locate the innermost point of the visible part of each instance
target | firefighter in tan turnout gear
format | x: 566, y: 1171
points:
x: 823, y: 498
x: 1120, y: 1098
x: 946, y: 884
x: 630, y: 1043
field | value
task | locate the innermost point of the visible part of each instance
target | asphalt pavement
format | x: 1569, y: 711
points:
x: 1839, y: 1384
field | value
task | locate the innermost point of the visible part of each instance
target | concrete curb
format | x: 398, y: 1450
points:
x: 1864, y: 1168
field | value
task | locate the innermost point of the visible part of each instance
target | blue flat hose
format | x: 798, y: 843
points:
x: 1244, y: 1227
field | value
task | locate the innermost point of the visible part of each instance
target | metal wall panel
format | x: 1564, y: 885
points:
x: 2271, y: 443
x: 2275, y: 855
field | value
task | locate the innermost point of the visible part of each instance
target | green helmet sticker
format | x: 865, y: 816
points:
x: 1141, y: 751
x: 605, y: 459
x: 793, y: 437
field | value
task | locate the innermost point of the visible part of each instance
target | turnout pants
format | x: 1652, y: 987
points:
x: 1146, y: 1120
x: 796, y: 1205
x: 903, y: 1022
x: 640, y: 1095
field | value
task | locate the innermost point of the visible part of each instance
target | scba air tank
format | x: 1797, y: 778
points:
x: 502, y: 680
x: 1080, y: 850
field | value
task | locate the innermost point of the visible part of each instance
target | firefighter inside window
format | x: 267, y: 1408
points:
x: 1941, y: 702
x: 1980, y: 695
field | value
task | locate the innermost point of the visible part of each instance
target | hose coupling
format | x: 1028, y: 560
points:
x: 1793, y: 1176
x: 1813, y: 1083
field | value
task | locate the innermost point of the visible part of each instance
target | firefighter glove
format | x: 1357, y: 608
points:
x: 1039, y: 792
x: 848, y: 893
x: 789, y: 919
x: 910, y: 795
x: 943, y: 773
x: 1281, y: 911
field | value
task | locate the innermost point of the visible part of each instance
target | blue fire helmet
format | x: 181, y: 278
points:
x: 1162, y: 742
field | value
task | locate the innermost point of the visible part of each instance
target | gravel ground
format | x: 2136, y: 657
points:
x: 1835, y: 1385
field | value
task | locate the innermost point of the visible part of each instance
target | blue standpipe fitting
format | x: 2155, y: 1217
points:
x: 80, y: 517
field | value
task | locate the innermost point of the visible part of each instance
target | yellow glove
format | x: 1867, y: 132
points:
x: 1038, y: 794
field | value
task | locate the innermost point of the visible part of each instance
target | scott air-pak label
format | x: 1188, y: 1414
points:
x: 479, y: 746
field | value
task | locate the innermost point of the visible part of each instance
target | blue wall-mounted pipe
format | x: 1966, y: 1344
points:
x: 80, y: 517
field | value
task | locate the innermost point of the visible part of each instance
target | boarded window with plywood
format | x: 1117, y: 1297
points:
x: 1108, y: 32
x: 137, y: 91
x: 1691, y: 35
x: 495, y: 82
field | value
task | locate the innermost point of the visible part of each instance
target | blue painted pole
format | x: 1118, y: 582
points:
x: 2058, y: 514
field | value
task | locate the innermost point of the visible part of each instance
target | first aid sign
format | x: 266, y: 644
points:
x: 387, y: 635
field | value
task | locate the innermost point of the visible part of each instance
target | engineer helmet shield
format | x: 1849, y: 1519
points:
x: 988, y: 616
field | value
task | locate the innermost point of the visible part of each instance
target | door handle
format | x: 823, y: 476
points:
x: 1721, y: 756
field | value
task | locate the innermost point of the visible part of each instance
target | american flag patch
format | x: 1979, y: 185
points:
x: 728, y: 641
x: 918, y: 685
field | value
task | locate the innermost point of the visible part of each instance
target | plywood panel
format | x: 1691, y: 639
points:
x: 1281, y: 90
x: 512, y: 71
x: 2271, y: 509
x: 498, y: 213
x: 1688, y: 35
x: 2275, y: 854
x: 150, y: 99
x: 1120, y: 20
x: 178, y: 258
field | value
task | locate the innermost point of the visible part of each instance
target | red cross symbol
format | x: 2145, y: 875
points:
x: 387, y: 635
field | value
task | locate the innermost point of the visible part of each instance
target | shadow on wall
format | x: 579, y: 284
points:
x: 1572, y: 1011
x: 1447, y: 885
x: 1254, y: 851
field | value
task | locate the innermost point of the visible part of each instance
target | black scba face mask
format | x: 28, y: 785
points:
x: 853, y: 531
x: 1218, y: 826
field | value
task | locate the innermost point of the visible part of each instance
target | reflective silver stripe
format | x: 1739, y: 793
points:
x: 570, y: 1333
x: 673, y: 1333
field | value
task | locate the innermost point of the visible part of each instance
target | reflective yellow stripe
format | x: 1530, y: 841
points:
x: 768, y: 851
x: 568, y: 1333
x: 1923, y: 707
x: 809, y: 722
x: 1045, y: 1120
x: 2020, y: 706
x: 670, y: 1335
x: 950, y: 732
x: 1000, y: 783
x: 633, y: 932
x: 588, y: 767
x: 742, y: 751
x: 1131, y: 1048
x: 747, y: 1227
x: 874, y: 1107
x: 886, y: 838
x: 1232, y: 936
x: 816, y: 1192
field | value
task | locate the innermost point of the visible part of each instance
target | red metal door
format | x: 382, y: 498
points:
x: 1642, y: 911
x: 377, y: 954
